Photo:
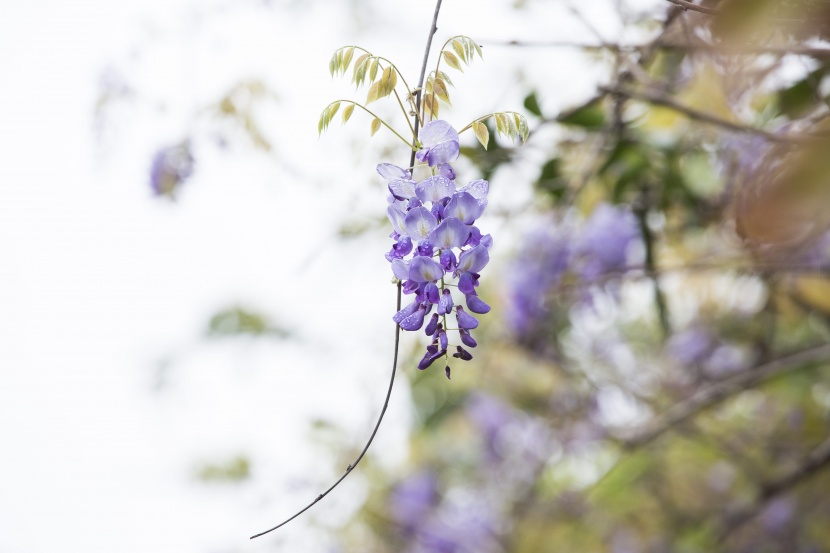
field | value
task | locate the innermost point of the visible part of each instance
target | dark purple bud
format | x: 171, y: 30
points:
x: 475, y: 237
x: 416, y: 320
x: 442, y: 339
x: 431, y: 292
x: 476, y: 304
x: 465, y: 320
x: 448, y: 260
x: 467, y: 339
x: 462, y: 354
x: 405, y: 312
x: 445, y: 303
x: 401, y: 248
x: 432, y: 325
x: 447, y: 371
x: 425, y: 249
x: 430, y: 356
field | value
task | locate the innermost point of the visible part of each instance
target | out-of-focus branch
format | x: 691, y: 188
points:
x: 818, y: 459
x: 641, y: 210
x: 694, y: 7
x: 701, y: 116
x: 712, y: 395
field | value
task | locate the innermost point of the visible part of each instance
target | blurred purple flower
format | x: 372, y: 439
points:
x: 605, y: 241
x: 171, y: 166
x: 412, y: 498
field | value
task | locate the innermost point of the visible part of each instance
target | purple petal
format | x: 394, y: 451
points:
x: 405, y: 312
x: 400, y: 269
x: 400, y: 249
x: 445, y: 303
x: 467, y: 339
x: 414, y: 321
x: 486, y: 241
x: 430, y: 356
x: 432, y: 294
x: 475, y: 237
x: 409, y: 286
x: 446, y: 170
x: 434, y: 189
x: 465, y: 320
x: 391, y: 172
x: 448, y: 260
x: 451, y: 233
x: 424, y: 269
x: 432, y: 325
x: 397, y: 218
x: 436, y: 132
x: 425, y: 249
x: 445, y: 152
x: 476, y: 304
x: 473, y: 260
x: 466, y: 283
x: 402, y: 189
x: 478, y: 189
x: 464, y: 207
x: 443, y: 340
x: 419, y: 222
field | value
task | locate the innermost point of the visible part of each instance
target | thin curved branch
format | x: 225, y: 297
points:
x: 712, y: 395
x: 397, y: 327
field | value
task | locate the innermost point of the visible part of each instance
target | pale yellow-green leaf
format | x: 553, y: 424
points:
x: 347, y: 59
x: 452, y: 61
x: 361, y: 65
x: 347, y: 112
x: 440, y: 90
x: 375, y: 125
x: 386, y: 83
x: 446, y: 78
x: 333, y: 64
x: 333, y: 110
x: 431, y: 105
x: 481, y: 132
x: 373, y: 71
x: 478, y: 50
x: 372, y: 95
x: 428, y: 86
x: 512, y: 130
x: 459, y: 49
x: 501, y: 124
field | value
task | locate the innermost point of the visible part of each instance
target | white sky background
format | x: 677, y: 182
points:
x: 99, y: 281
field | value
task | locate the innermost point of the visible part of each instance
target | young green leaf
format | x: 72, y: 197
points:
x: 372, y: 95
x: 387, y: 82
x: 373, y: 72
x: 347, y: 59
x: 440, y: 90
x: 375, y: 125
x: 459, y: 49
x: 501, y: 124
x: 452, y: 61
x: 347, y: 112
x: 446, y: 78
x: 361, y: 65
x: 481, y: 132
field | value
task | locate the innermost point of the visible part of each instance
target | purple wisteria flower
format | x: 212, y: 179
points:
x: 171, y: 167
x: 436, y: 241
x: 606, y: 240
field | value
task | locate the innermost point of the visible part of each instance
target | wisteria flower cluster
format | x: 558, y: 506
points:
x: 436, y: 240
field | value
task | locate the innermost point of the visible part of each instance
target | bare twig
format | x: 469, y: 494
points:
x: 701, y: 116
